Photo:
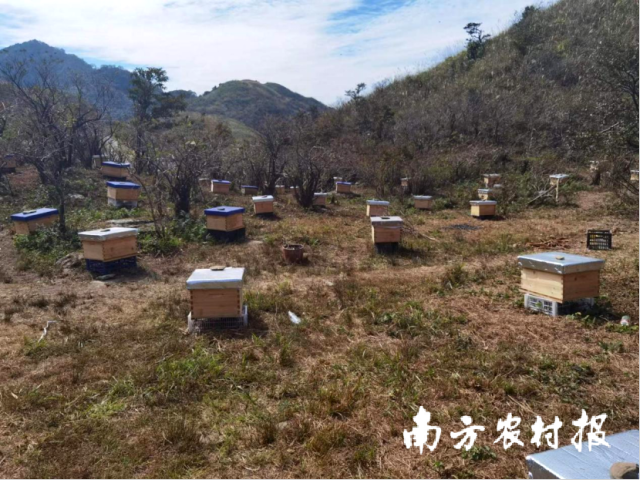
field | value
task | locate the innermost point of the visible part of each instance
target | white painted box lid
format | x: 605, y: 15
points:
x: 105, y: 234
x: 210, y: 278
x: 497, y: 186
x: 320, y: 194
x: 483, y: 202
x: 262, y: 198
x: 492, y: 175
x: 560, y: 262
x: 485, y: 190
x: 378, y: 202
x: 559, y: 176
x: 422, y: 197
x: 386, y: 221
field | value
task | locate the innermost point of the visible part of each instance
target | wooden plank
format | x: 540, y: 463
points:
x: 546, y: 284
x: 92, y: 250
x: 386, y: 234
x: 581, y: 285
x: 216, y: 303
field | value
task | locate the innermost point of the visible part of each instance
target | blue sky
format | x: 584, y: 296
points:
x: 319, y: 48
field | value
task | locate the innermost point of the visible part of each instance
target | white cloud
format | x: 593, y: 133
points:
x: 202, y: 43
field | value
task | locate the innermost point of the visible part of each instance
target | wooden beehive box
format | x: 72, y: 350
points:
x: 343, y: 187
x: 320, y: 199
x: 377, y: 208
x: 404, y: 182
x: 109, y: 244
x: 386, y: 229
x: 216, y: 292
x: 281, y: 189
x: 224, y: 219
x: 8, y: 163
x: 220, y: 186
x: 249, y: 190
x: 560, y: 276
x: 485, y: 193
x: 123, y: 194
x: 294, y: 190
x: 483, y: 208
x: 490, y: 179
x: 96, y: 161
x: 115, y: 170
x: 29, y: 221
x: 423, y: 202
x: 558, y: 178
x: 634, y: 176
x: 263, y: 204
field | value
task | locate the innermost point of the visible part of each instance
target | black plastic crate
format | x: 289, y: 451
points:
x: 232, y: 236
x: 599, y: 239
x: 105, y: 268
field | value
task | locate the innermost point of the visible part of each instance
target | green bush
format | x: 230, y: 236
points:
x: 40, y: 250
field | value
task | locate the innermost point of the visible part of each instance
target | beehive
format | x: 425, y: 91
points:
x: 320, y: 199
x: 558, y: 178
x: 423, y: 202
x: 294, y: 190
x: 634, y: 175
x: 404, y: 182
x: 228, y: 221
x: 249, y: 189
x: 560, y: 276
x: 123, y: 194
x: 386, y: 229
x: 216, y: 292
x: 29, y: 221
x: 263, y: 204
x: 486, y: 193
x: 343, y: 187
x: 204, y: 183
x: 220, y: 186
x: 483, y: 208
x: 96, y: 161
x: 490, y: 179
x: 281, y: 189
x: 8, y: 164
x: 337, y: 179
x: 105, y: 250
x: 377, y: 208
x: 115, y: 170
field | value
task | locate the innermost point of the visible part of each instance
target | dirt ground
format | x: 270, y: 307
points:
x: 117, y: 389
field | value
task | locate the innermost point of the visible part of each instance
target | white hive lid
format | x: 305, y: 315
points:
x: 559, y: 176
x: 378, y: 202
x: 560, y: 262
x: 492, y: 175
x: 320, y: 194
x: 262, y: 198
x: 387, y: 221
x: 215, y: 277
x: 105, y: 234
x: 483, y: 202
x: 422, y: 197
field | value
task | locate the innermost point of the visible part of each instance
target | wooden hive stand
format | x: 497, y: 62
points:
x: 8, y: 164
x: 225, y: 223
x: 220, y: 186
x: 483, y: 209
x: 377, y: 208
x: 29, y: 221
x: 123, y: 194
x: 559, y: 277
x: 216, y: 297
x: 114, y: 170
x: 109, y: 250
x: 263, y: 205
x: 423, y: 202
x: 320, y: 199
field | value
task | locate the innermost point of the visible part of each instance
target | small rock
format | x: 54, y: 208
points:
x: 70, y: 261
x: 96, y: 283
x: 282, y: 425
x: 255, y: 243
x: 76, y: 196
x: 104, y: 278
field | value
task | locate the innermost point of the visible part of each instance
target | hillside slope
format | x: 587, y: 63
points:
x: 250, y: 101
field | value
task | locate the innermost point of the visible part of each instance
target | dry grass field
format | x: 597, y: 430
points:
x: 117, y: 389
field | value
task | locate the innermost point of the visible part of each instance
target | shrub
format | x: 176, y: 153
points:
x: 40, y: 250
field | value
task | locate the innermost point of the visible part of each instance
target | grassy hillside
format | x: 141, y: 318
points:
x: 250, y: 102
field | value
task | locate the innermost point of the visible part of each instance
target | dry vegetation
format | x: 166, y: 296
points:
x: 118, y: 390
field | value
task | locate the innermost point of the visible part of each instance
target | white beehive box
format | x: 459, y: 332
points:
x: 216, y: 292
x: 109, y: 244
x: 386, y: 229
x: 263, y: 204
x: 377, y: 208
x: 483, y: 208
x: 560, y: 276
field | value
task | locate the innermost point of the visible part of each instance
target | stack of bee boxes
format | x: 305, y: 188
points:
x: 263, y: 205
x: 110, y: 249
x: 220, y: 186
x: 556, y: 283
x: 423, y: 202
x: 249, y: 189
x: 483, y: 208
x: 123, y: 194
x: 343, y: 187
x: 9, y: 164
x: 225, y: 223
x: 320, y: 199
x: 116, y: 171
x: 30, y: 220
x: 216, y: 299
x: 386, y: 232
x: 377, y: 208
x: 485, y: 193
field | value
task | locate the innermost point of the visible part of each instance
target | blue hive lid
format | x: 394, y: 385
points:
x: 34, y: 214
x: 249, y: 186
x: 130, y: 185
x: 223, y: 211
x: 117, y: 165
x: 344, y: 183
x: 220, y: 181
